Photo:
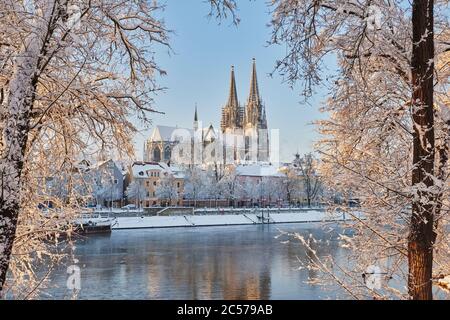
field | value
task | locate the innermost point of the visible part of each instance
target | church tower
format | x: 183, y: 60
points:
x: 195, y: 126
x: 255, y: 123
x: 231, y: 126
x: 232, y: 111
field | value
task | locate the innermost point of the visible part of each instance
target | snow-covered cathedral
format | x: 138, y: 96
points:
x: 243, y: 134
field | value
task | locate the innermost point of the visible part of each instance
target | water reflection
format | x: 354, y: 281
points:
x: 243, y: 262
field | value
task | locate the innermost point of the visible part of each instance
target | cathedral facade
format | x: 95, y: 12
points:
x: 245, y: 128
x: 242, y: 137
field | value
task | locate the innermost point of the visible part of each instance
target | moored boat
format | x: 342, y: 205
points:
x: 93, y: 223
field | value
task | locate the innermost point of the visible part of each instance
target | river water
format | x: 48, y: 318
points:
x: 238, y: 262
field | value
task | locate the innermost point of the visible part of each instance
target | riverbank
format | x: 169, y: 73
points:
x: 204, y: 220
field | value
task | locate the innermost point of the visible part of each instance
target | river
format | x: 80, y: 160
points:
x: 236, y: 262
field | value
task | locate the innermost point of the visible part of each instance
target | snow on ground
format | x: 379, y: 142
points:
x: 220, y: 220
x: 150, y: 222
x: 214, y: 220
x: 272, y: 210
x: 305, y: 216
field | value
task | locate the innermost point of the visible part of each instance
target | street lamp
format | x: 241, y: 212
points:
x: 111, y: 168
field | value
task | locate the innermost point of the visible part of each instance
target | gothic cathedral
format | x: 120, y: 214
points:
x: 243, y: 132
x: 248, y: 124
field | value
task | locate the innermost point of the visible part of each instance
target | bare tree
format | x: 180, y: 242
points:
x: 72, y: 75
x: 387, y: 138
x: 194, y: 185
x: 167, y: 189
x: 309, y: 177
x: 230, y: 186
x: 292, y: 185
x: 136, y: 191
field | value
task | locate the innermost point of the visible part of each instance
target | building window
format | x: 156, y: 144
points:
x: 167, y: 153
x: 156, y: 155
x: 116, y: 181
x: 154, y: 183
x: 178, y: 184
x: 147, y: 183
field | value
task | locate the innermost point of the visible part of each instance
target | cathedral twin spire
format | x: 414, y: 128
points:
x: 249, y: 123
x: 232, y: 97
x: 255, y: 113
x: 233, y: 115
x: 254, y: 91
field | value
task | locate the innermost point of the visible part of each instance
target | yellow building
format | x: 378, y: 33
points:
x: 155, y: 184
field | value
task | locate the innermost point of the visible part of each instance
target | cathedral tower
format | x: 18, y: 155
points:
x: 255, y: 123
x: 232, y: 111
x: 195, y: 124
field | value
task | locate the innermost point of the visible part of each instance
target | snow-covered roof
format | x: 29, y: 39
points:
x: 83, y: 165
x: 258, y: 170
x: 164, y: 165
x: 209, y: 133
x: 140, y: 169
x: 177, y: 171
x: 100, y: 164
x: 104, y: 164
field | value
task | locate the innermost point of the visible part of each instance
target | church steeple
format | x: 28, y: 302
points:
x: 255, y: 122
x: 231, y: 112
x: 195, y: 119
x: 254, y: 112
x: 232, y: 97
x: 254, y: 90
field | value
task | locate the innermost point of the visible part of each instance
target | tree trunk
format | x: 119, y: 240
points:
x: 421, y: 237
x: 15, y: 133
x: 22, y: 93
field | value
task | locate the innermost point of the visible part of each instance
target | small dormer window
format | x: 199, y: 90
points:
x: 141, y: 173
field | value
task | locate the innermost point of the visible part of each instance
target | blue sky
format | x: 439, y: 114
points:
x: 199, y: 70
